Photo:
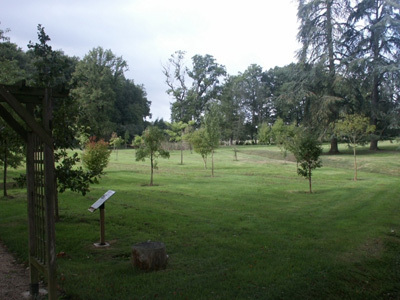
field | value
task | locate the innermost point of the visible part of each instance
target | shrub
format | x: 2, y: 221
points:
x: 95, y: 156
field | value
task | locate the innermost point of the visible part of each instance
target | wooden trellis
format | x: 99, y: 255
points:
x: 41, y: 189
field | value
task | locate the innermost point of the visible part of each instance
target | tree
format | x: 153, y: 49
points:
x: 206, y: 75
x: 212, y: 130
x: 307, y: 152
x: 206, y: 139
x: 175, y: 77
x: 233, y: 110
x: 265, y: 134
x: 95, y: 156
x: 150, y: 146
x: 198, y: 139
x: 281, y: 134
x: 13, y: 62
x: 11, y: 151
x: 176, y: 132
x: 116, y: 142
x: 126, y: 138
x: 96, y: 78
x: 355, y: 129
x: 71, y: 177
x: 12, y: 69
x: 131, y: 107
x: 255, y: 97
x: 320, y: 31
x: 372, y: 44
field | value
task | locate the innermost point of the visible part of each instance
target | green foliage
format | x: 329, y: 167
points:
x: 95, y: 156
x: 126, y: 138
x: 176, y: 130
x: 176, y: 133
x: 198, y: 139
x: 307, y: 152
x: 176, y: 72
x: 255, y: 93
x: 211, y: 123
x: 206, y: 139
x: 12, y: 63
x: 283, y: 136
x: 116, y: 141
x: 354, y: 129
x: 107, y: 100
x: 150, y: 146
x: 206, y: 76
x: 264, y: 134
x: 12, y: 152
x: 71, y: 177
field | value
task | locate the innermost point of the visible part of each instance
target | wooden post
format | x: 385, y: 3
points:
x: 50, y: 192
x: 101, y: 205
x: 33, y: 271
x: 102, y: 229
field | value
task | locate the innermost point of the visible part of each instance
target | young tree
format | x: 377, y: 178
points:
x: 281, y: 135
x: 116, y: 142
x: 307, y: 152
x: 355, y: 129
x: 95, y: 156
x: 150, y: 146
x: 206, y: 139
x: 212, y: 128
x: 126, y: 138
x: 264, y: 134
x: 198, y: 139
x: 176, y: 132
x: 11, y: 151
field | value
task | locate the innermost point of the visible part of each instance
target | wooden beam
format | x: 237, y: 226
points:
x: 26, y: 117
x: 26, y: 94
x: 13, y: 123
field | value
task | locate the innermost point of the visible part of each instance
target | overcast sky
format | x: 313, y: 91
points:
x: 146, y: 32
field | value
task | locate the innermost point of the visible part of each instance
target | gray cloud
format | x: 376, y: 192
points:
x: 146, y: 32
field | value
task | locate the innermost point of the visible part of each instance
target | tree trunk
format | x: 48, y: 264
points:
x: 309, y: 180
x: 355, y: 164
x: 374, y: 145
x: 5, y: 172
x: 212, y: 163
x: 205, y: 162
x: 152, y: 167
x: 334, y: 146
x: 182, y: 147
x: 375, y: 89
x: 56, y: 209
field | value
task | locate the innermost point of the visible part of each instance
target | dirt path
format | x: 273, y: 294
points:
x: 14, y: 278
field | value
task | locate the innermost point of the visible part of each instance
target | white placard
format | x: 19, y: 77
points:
x: 101, y: 201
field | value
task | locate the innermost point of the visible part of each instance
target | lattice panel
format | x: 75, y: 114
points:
x: 39, y: 203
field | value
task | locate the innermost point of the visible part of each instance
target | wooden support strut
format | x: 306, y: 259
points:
x: 24, y: 115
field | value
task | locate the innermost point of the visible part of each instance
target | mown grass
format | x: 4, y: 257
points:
x: 251, y: 232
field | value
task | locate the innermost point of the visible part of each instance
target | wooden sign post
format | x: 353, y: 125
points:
x: 101, y: 205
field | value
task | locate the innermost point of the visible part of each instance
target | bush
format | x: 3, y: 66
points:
x: 95, y: 156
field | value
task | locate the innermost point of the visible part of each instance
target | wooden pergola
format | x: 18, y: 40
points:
x: 41, y: 183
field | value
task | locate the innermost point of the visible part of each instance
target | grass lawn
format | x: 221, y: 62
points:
x: 251, y: 232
